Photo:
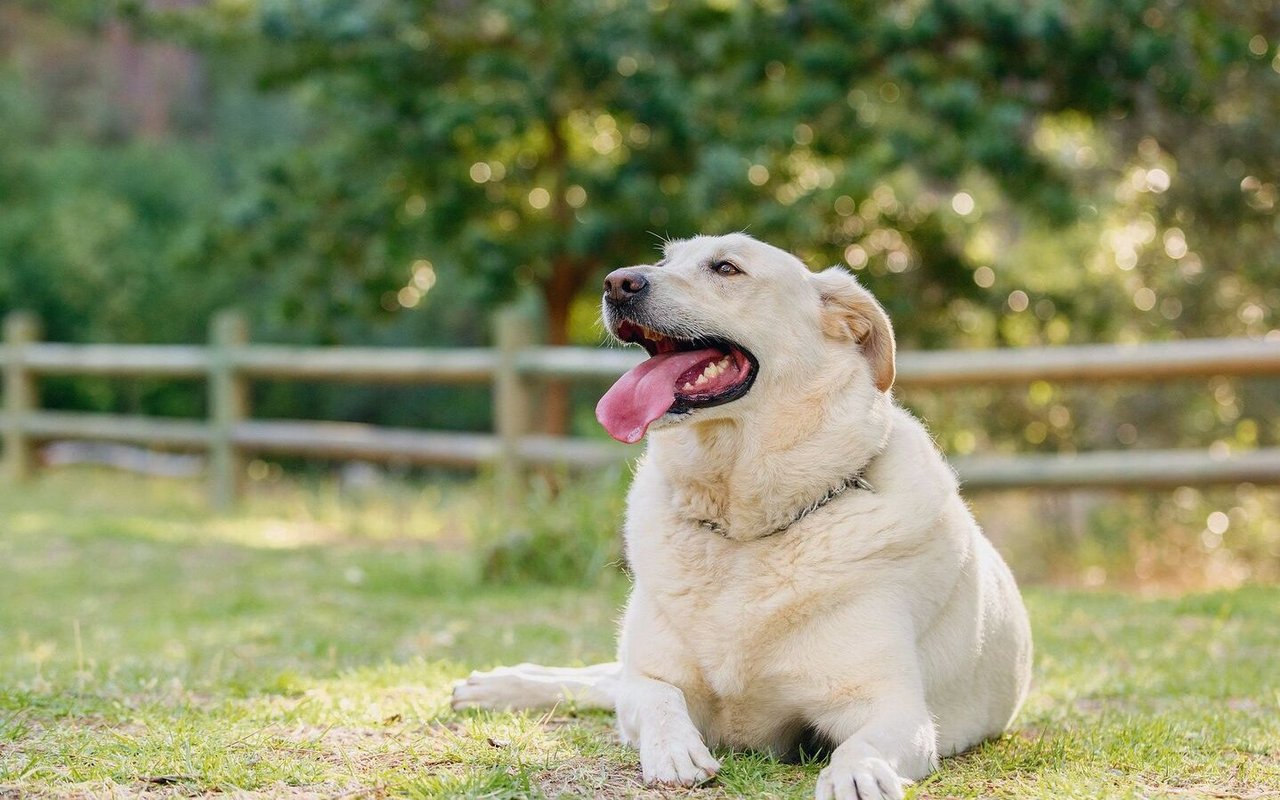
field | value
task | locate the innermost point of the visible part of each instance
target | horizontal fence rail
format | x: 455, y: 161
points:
x: 166, y: 361
x: 1138, y: 362
x: 374, y: 365
x: 1145, y: 362
x: 229, y: 362
x: 1147, y: 468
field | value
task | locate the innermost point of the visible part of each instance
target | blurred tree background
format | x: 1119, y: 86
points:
x: 999, y: 173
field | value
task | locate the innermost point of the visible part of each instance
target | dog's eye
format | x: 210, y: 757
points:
x: 725, y: 268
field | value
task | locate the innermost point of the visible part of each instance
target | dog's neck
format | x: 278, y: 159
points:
x: 748, y: 478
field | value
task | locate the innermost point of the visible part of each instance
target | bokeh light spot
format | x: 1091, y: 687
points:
x: 539, y: 198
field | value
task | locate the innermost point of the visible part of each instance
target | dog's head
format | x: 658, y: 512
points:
x: 732, y: 324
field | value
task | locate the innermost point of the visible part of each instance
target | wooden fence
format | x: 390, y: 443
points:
x: 229, y: 363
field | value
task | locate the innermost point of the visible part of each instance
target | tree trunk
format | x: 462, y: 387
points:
x: 558, y: 294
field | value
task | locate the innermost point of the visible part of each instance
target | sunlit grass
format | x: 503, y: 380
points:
x: 275, y: 514
x: 148, y: 647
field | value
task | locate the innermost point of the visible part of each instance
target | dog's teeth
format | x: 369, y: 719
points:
x: 701, y: 379
x: 687, y: 387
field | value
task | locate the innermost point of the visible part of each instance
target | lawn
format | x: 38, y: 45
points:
x: 305, y: 648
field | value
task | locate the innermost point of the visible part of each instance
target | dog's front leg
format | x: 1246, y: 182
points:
x: 886, y: 735
x: 894, y: 746
x: 653, y: 718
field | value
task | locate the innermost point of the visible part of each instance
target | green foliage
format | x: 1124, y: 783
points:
x: 100, y: 263
x: 110, y: 235
x: 91, y: 261
x: 534, y: 143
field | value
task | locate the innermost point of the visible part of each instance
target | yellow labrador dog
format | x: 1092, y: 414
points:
x: 805, y: 570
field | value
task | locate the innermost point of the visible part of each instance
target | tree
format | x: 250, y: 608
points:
x: 534, y: 144
x: 520, y: 140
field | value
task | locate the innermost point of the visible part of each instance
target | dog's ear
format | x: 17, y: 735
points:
x: 850, y: 312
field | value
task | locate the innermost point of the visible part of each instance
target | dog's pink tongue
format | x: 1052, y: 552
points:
x: 645, y: 393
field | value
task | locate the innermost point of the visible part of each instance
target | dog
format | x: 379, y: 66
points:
x: 805, y: 571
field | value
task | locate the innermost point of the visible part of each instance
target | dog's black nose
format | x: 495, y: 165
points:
x: 623, y: 285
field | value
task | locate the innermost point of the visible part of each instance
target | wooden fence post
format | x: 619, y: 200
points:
x: 228, y: 405
x: 21, y: 328
x: 511, y: 402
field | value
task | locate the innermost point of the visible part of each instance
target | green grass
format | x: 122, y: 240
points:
x: 305, y: 648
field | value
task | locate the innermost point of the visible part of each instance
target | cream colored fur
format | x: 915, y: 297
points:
x: 884, y: 621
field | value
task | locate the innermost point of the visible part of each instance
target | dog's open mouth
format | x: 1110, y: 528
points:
x: 680, y: 375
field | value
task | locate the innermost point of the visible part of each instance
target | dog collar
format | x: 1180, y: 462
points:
x: 853, y: 482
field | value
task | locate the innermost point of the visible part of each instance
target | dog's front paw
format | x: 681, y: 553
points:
x: 867, y: 777
x: 677, y: 759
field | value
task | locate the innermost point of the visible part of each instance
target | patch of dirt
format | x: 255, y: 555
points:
x: 1227, y: 791
x: 597, y: 778
x: 392, y: 747
x: 149, y: 791
x: 33, y: 727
